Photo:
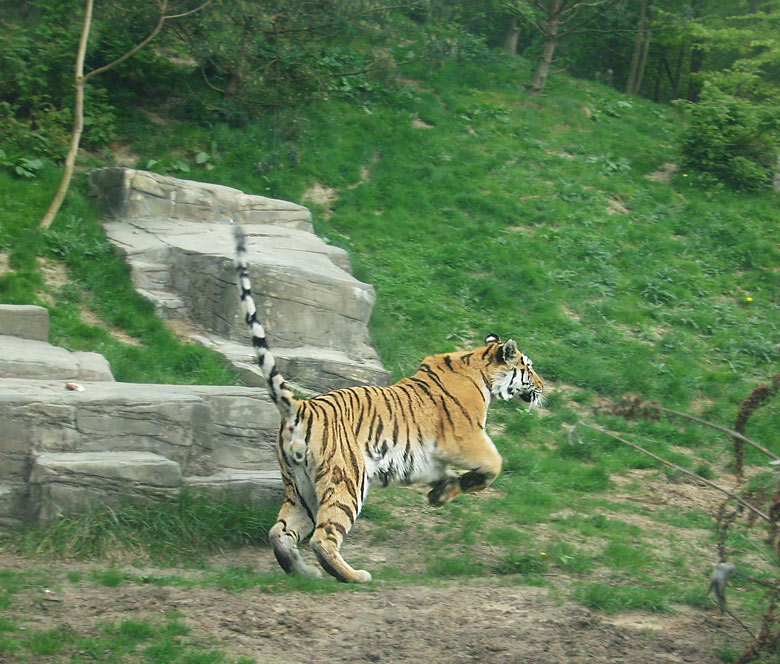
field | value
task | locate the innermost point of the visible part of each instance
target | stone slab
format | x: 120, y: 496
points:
x: 303, y: 294
x: 25, y: 321
x: 137, y: 468
x: 311, y: 369
x: 63, y: 483
x: 203, y: 428
x: 31, y: 359
x: 259, y: 485
x: 129, y: 194
x: 13, y: 501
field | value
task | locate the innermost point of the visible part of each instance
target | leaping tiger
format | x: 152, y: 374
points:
x: 332, y: 447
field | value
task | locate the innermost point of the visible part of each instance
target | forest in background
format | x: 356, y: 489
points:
x: 237, y: 61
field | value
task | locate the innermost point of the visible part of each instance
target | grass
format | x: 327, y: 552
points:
x: 614, y: 599
x: 168, y: 532
x: 527, y: 217
x: 163, y: 641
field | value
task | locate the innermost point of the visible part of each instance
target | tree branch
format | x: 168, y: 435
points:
x: 730, y: 432
x: 696, y: 477
x: 590, y: 18
x: 152, y: 35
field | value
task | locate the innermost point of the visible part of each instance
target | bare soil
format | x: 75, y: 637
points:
x: 492, y: 619
x: 451, y: 621
x: 473, y: 621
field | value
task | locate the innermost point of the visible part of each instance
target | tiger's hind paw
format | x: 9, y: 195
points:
x: 443, y: 492
x: 361, y: 576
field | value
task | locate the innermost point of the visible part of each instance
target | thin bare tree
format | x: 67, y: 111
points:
x: 80, y: 81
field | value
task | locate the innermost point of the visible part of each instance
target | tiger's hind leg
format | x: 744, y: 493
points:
x: 444, y: 490
x: 293, y: 525
x: 339, y: 507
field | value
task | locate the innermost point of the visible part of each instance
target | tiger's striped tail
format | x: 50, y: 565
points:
x: 281, y: 395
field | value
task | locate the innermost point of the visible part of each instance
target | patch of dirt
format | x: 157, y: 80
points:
x: 91, y: 318
x: 4, y: 267
x: 319, y: 194
x: 614, y: 206
x: 458, y: 622
x: 54, y: 274
x: 421, y: 124
x: 123, y: 155
x: 665, y: 173
x: 365, y: 172
x: 659, y: 492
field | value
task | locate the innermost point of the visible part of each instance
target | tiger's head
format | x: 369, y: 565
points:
x: 512, y: 373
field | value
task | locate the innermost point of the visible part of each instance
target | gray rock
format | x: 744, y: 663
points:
x: 203, y: 430
x: 25, y: 321
x: 12, y: 504
x: 71, y: 482
x: 131, y: 194
x: 182, y: 260
x: 27, y: 358
x: 63, y: 450
x: 314, y: 369
x: 257, y: 485
x: 93, y: 367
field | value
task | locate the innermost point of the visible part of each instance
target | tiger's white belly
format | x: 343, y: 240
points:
x: 388, y: 464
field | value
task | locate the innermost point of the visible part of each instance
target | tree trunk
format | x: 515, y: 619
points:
x: 539, y: 78
x: 642, y: 61
x: 78, y: 122
x: 641, y: 47
x: 512, y: 35
x: 536, y: 84
x: 636, y: 56
x: 657, y: 90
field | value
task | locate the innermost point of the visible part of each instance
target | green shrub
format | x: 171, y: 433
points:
x: 730, y: 139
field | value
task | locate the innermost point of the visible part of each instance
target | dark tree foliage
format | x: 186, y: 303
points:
x: 239, y: 60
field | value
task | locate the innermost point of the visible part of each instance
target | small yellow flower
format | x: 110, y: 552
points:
x: 748, y: 299
x: 542, y: 553
x: 685, y: 175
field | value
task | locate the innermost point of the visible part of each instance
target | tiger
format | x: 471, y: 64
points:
x: 332, y: 447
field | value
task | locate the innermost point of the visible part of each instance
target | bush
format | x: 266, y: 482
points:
x: 731, y: 139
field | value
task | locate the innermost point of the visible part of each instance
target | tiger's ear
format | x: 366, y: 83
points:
x: 492, y: 338
x: 510, y: 351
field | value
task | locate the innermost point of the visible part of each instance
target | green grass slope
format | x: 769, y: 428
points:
x: 474, y: 208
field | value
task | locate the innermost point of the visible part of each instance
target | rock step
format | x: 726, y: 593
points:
x: 259, y: 485
x: 27, y: 358
x: 12, y: 504
x: 310, y: 369
x: 130, y: 194
x: 303, y: 293
x: 24, y: 321
x: 63, y: 483
x: 178, y: 240
x: 202, y: 430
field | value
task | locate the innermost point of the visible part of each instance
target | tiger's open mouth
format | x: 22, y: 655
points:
x: 532, y: 396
